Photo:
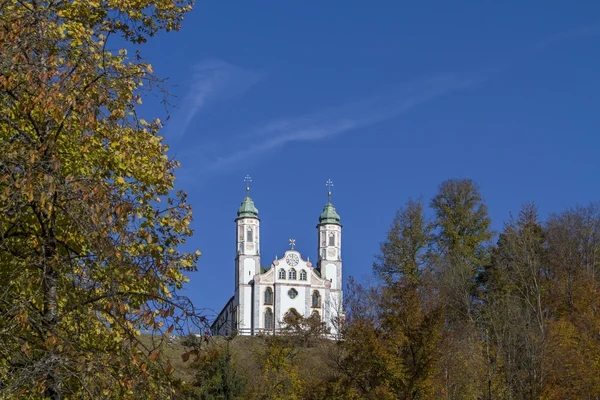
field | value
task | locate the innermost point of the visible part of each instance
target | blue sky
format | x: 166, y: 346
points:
x: 387, y: 99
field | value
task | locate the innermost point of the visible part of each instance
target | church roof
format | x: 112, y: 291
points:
x: 329, y: 216
x: 247, y: 208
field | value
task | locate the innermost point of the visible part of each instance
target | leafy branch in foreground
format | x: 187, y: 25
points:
x: 89, y: 256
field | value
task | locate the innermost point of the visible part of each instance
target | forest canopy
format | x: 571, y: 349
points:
x: 460, y: 312
x: 455, y: 311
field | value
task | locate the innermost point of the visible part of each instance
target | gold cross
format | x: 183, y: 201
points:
x: 292, y: 243
x: 329, y: 184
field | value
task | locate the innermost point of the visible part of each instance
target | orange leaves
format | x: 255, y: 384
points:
x: 186, y: 356
x: 168, y: 367
x: 25, y: 348
x: 22, y: 317
x: 83, y: 178
x: 52, y: 342
x: 154, y: 355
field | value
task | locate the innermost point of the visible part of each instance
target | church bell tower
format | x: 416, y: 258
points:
x: 330, y: 243
x: 247, y: 259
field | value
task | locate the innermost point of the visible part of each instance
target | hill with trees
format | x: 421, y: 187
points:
x: 457, y: 312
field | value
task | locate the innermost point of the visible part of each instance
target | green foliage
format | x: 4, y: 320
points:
x: 462, y: 237
x: 461, y: 221
x: 404, y: 253
x: 191, y: 340
x: 216, y: 376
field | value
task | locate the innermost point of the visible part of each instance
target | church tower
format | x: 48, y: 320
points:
x: 247, y: 259
x: 290, y: 285
x: 330, y: 244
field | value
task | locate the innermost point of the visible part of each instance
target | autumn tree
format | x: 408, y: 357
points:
x: 303, y: 331
x: 541, y: 305
x: 276, y: 371
x: 453, y: 316
x: 461, y: 235
x: 90, y: 230
x: 393, y: 331
x: 410, y: 311
x: 572, y: 362
x: 516, y: 309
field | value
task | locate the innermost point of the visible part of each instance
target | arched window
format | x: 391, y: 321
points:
x: 268, y: 319
x: 332, y: 239
x: 292, y: 273
x: 315, y: 315
x: 268, y: 296
x: 302, y: 275
x: 249, y: 235
x: 281, y: 273
x: 316, y: 299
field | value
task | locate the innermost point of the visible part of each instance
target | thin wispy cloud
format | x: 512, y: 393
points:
x: 215, y: 80
x: 212, y: 81
x: 336, y: 120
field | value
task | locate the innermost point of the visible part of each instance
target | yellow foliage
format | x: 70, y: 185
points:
x: 80, y: 176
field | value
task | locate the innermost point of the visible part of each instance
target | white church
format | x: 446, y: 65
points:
x: 291, y: 284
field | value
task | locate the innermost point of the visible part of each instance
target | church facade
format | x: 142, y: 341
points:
x: 291, y: 284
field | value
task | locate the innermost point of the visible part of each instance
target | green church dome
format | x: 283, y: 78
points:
x: 329, y: 216
x: 247, y: 209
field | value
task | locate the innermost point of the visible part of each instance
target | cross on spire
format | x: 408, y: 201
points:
x: 248, y: 181
x: 329, y: 184
x: 292, y: 243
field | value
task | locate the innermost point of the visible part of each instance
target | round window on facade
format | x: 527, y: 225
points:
x: 292, y: 293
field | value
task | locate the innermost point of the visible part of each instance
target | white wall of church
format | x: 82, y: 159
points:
x: 298, y: 303
x: 331, y: 273
x: 245, y: 322
x: 249, y: 270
